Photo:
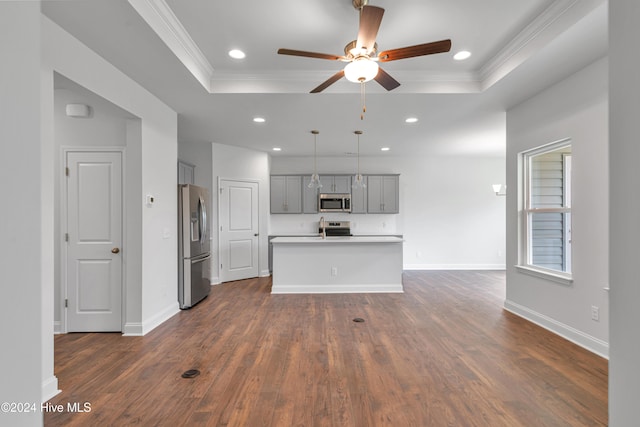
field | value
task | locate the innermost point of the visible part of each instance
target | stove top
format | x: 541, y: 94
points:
x: 336, y: 228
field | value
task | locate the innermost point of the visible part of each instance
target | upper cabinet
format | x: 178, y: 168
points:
x: 335, y: 183
x: 359, y: 199
x: 382, y: 194
x: 291, y: 194
x: 186, y: 172
x: 309, y: 196
x: 286, y: 194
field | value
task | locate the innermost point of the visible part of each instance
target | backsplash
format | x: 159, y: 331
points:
x: 360, y: 223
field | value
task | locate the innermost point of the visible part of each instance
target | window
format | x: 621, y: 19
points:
x: 546, y: 211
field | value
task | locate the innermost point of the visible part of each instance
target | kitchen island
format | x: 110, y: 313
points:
x: 345, y: 264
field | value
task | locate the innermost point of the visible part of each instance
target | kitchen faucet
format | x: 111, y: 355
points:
x: 323, y: 227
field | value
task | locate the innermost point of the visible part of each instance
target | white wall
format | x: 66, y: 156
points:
x: 449, y: 215
x: 575, y: 108
x: 27, y: 321
x: 239, y: 163
x: 624, y: 374
x: 150, y: 168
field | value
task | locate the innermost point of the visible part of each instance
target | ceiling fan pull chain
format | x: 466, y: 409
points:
x: 362, y: 98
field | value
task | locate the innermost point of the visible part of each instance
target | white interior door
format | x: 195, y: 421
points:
x: 94, y: 237
x: 238, y: 230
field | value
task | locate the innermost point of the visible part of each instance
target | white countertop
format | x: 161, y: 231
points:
x: 336, y: 239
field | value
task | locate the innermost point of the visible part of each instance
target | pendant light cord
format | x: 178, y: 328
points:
x: 358, y: 154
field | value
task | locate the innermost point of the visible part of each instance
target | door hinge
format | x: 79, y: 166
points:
x: 66, y: 303
x: 221, y: 188
x: 220, y: 266
x: 66, y: 237
x: 66, y: 171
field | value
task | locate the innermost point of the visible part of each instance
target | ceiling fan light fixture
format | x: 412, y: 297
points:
x: 361, y: 70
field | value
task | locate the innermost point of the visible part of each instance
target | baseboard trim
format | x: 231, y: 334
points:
x: 49, y: 388
x: 586, y: 341
x: 454, y: 267
x: 265, y: 273
x: 57, y: 327
x: 338, y: 289
x: 132, y: 329
x: 162, y: 316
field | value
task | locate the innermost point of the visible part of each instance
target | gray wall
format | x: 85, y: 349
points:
x: 27, y: 322
x: 239, y: 163
x: 105, y: 127
x: 624, y: 374
x: 575, y: 108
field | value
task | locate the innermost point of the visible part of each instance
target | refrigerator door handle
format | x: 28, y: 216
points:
x: 199, y: 260
x: 203, y: 220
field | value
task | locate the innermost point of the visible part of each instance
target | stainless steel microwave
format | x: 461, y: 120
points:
x: 334, y: 202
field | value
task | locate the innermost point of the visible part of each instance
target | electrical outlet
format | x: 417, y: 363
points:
x: 595, y: 313
x: 334, y: 271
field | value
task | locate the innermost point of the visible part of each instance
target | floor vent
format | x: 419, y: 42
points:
x: 191, y: 373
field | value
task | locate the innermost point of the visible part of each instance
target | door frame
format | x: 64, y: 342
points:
x: 62, y: 227
x: 260, y: 236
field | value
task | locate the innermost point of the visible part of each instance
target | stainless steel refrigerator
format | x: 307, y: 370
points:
x: 194, y: 251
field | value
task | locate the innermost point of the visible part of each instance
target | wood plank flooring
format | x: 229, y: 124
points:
x: 444, y: 353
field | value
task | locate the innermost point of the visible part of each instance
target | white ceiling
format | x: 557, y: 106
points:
x: 178, y: 50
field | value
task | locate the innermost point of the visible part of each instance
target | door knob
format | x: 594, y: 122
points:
x: 115, y: 250
x: 256, y: 234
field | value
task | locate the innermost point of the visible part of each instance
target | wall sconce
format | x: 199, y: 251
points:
x: 78, y: 110
x: 500, y: 189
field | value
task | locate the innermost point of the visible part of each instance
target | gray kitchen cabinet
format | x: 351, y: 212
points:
x: 309, y: 196
x: 383, y: 194
x: 186, y: 173
x: 335, y: 183
x: 359, y: 199
x: 286, y: 194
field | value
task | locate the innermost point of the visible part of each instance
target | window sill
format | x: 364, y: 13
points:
x: 558, y: 277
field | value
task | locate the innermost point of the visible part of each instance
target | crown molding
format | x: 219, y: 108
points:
x: 302, y: 81
x: 159, y: 16
x: 559, y: 16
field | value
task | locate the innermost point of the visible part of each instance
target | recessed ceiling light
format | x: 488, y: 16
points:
x: 384, y: 149
x: 236, y: 54
x: 462, y: 55
x: 277, y: 149
x: 411, y: 119
x: 259, y: 119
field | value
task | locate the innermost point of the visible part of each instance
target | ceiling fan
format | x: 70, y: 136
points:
x: 361, y: 54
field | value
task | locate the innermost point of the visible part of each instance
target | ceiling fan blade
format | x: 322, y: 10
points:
x: 370, y: 19
x: 309, y: 54
x: 337, y: 76
x: 385, y: 80
x: 417, y: 50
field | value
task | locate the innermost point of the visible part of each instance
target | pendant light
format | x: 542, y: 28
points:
x: 315, y: 178
x: 358, y: 180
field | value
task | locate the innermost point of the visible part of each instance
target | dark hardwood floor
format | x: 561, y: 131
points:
x: 444, y: 353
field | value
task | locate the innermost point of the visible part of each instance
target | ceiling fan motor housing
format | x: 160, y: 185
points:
x: 350, y: 50
x: 359, y: 4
